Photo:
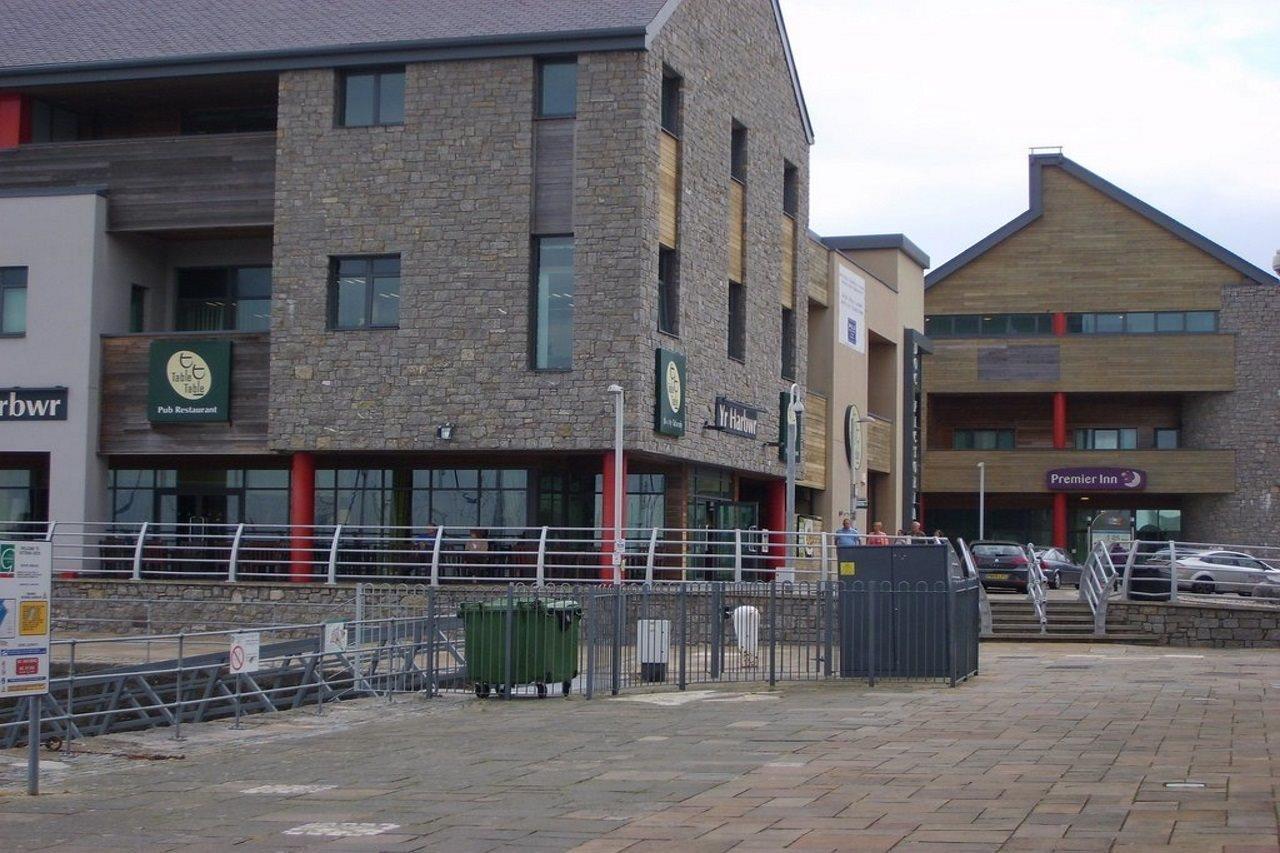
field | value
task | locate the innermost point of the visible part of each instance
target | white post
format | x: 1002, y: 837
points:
x: 1128, y: 569
x: 137, y: 551
x: 542, y: 558
x: 826, y: 558
x: 982, y: 501
x: 1173, y: 570
x: 653, y: 550
x: 794, y: 409
x: 619, y: 486
x: 48, y: 534
x: 233, y: 565
x: 435, y: 557
x: 333, y: 555
x: 737, y: 556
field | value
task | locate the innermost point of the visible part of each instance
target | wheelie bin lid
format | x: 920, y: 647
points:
x: 499, y: 605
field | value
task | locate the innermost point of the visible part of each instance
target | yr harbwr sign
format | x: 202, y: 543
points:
x: 1096, y: 480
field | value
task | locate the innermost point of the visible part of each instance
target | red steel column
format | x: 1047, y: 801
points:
x: 1059, y: 443
x: 608, y: 524
x: 15, y: 119
x: 775, y: 521
x: 302, y: 514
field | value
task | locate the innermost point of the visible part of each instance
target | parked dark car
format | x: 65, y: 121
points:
x: 1060, y: 569
x: 1000, y: 565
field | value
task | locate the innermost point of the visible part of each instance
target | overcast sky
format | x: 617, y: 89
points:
x: 924, y: 111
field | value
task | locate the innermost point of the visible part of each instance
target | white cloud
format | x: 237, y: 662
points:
x: 924, y: 111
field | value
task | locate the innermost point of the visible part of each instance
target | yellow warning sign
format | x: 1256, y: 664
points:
x: 848, y: 568
x: 33, y: 618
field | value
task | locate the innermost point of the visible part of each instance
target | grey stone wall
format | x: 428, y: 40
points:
x: 1246, y: 420
x: 1200, y: 626
x: 450, y: 191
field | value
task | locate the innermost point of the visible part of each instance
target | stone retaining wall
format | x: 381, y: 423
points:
x: 1221, y: 627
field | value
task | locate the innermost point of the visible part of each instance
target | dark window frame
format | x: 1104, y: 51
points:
x: 998, y: 437
x: 671, y: 108
x: 737, y: 325
x: 539, y: 106
x: 1086, y: 438
x: 738, y: 152
x: 138, y: 298
x: 1085, y: 323
x: 1159, y: 431
x: 335, y: 262
x: 231, y: 294
x: 788, y: 348
x: 377, y: 72
x: 6, y: 274
x: 668, y: 291
x: 790, y: 189
x: 535, y: 265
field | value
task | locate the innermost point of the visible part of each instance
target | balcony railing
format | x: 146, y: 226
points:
x: 159, y: 183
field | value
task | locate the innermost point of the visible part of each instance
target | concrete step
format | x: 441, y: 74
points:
x: 1129, y: 639
x: 1023, y: 627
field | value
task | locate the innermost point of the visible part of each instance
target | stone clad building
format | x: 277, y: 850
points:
x: 1113, y: 370
x: 380, y: 267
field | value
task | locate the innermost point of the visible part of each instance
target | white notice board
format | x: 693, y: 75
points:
x: 852, y: 329
x: 25, y: 571
x: 244, y: 652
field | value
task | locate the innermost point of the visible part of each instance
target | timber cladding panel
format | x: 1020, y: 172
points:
x: 1087, y: 252
x: 1074, y: 363
x: 225, y: 180
x: 1168, y: 471
x: 737, y: 231
x: 879, y: 445
x: 124, y: 427
x: 668, y: 189
x: 813, y: 472
x: 819, y: 273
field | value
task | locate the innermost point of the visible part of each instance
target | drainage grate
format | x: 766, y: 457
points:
x: 1184, y: 784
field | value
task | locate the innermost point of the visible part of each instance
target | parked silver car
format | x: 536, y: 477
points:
x: 1208, y: 572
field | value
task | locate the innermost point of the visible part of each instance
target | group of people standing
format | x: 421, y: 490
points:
x: 848, y: 536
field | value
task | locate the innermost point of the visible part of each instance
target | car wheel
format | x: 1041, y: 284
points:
x: 1202, y: 587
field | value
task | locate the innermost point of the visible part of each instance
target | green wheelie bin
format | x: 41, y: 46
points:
x: 544, y: 643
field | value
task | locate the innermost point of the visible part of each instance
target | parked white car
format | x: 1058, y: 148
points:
x: 1207, y: 572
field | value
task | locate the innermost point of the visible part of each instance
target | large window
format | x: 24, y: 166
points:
x: 23, y: 495
x: 668, y: 291
x: 354, y: 496
x: 1167, y: 438
x: 365, y: 292
x: 1142, y: 322
x: 13, y: 300
x: 553, y: 303
x: 671, y: 106
x: 788, y: 344
x: 987, y: 325
x: 982, y: 439
x: 212, y: 299
x: 230, y: 496
x: 557, y: 88
x: 737, y: 321
x: 371, y: 97
x: 1108, y: 438
x: 646, y: 504
x: 790, y: 189
x: 472, y: 499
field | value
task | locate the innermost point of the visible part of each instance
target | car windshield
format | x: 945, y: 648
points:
x: 996, y: 550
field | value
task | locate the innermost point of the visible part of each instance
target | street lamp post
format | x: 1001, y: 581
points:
x: 795, y: 408
x: 619, y: 533
x: 982, y: 500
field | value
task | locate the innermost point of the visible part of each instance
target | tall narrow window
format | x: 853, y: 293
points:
x: 553, y: 303
x: 557, y: 88
x: 738, y: 154
x: 13, y: 300
x: 790, y: 189
x: 137, y: 308
x: 737, y: 321
x: 788, y: 344
x: 364, y: 292
x: 671, y: 84
x: 371, y: 97
x: 668, y: 291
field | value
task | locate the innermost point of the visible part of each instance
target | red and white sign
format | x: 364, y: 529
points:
x: 243, y: 657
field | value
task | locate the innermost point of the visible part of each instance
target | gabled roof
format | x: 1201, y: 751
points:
x: 1038, y: 162
x: 69, y: 41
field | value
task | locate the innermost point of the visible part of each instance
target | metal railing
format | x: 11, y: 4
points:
x: 434, y: 555
x: 588, y: 639
x: 1037, y: 582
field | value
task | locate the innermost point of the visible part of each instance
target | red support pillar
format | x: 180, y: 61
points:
x: 302, y: 515
x: 15, y: 119
x: 1060, y: 520
x: 1059, y: 420
x: 775, y: 521
x: 608, y: 524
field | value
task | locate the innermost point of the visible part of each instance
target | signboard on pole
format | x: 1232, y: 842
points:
x: 25, y: 570
x: 335, y: 638
x: 243, y: 657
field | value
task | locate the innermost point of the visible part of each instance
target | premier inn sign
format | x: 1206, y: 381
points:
x: 33, y: 404
x: 189, y: 381
x: 1096, y: 480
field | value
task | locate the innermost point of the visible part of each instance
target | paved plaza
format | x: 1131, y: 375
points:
x: 1070, y: 747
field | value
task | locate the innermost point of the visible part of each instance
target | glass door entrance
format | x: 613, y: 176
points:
x: 712, y: 551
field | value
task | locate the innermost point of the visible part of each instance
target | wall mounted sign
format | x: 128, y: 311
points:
x: 853, y: 439
x: 670, y: 403
x: 33, y: 404
x: 737, y: 418
x: 1096, y: 480
x: 787, y: 419
x: 189, y: 381
x: 852, y: 329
